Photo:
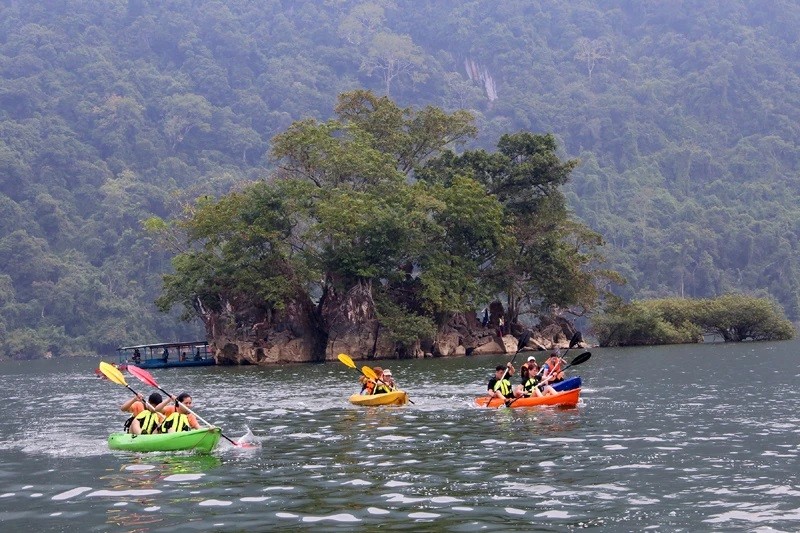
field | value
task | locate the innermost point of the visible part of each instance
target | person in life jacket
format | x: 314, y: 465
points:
x: 531, y: 381
x: 551, y: 369
x: 499, y: 385
x: 145, y: 416
x: 385, y: 382
x: 178, y: 417
x: 368, y: 385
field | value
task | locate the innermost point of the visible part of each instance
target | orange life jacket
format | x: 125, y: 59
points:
x: 367, y: 385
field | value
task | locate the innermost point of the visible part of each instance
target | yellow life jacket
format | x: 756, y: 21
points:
x: 382, y: 388
x: 504, y: 386
x: 531, y: 383
x: 177, y: 420
x: 148, y: 421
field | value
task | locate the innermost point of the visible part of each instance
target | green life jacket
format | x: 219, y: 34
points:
x: 177, y: 420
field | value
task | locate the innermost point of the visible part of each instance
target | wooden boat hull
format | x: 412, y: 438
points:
x: 397, y: 397
x: 568, y: 398
x: 199, y: 440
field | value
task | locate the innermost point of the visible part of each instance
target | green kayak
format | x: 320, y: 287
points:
x: 200, y: 440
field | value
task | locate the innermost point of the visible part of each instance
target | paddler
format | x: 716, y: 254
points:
x: 145, y: 416
x: 499, y: 385
x: 551, y: 369
x: 385, y: 382
x: 178, y: 416
x: 531, y: 380
x: 368, y: 385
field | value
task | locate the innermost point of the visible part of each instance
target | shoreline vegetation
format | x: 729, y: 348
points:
x: 732, y: 317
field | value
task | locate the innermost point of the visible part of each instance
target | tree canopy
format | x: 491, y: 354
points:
x: 344, y: 208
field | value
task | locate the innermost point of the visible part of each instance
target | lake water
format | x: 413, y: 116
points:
x: 680, y: 438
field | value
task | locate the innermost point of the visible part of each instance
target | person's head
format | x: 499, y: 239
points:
x: 387, y: 373
x: 185, y: 399
x: 154, y: 399
x: 499, y: 370
x: 378, y: 370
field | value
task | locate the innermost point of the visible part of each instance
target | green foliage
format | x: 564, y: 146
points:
x: 734, y: 317
x: 547, y: 259
x: 404, y: 327
x: 684, y: 121
x: 343, y: 213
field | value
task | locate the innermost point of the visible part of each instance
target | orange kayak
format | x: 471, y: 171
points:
x: 567, y: 398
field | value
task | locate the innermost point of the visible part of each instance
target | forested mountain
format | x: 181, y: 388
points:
x: 684, y: 115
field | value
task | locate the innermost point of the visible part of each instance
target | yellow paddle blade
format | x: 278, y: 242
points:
x: 367, y: 371
x: 112, y: 373
x: 344, y: 358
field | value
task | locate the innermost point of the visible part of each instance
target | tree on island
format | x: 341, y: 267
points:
x: 371, y: 237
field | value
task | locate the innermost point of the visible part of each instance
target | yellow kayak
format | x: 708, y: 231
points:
x: 397, y: 397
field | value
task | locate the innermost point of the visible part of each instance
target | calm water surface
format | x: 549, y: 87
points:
x: 688, y: 438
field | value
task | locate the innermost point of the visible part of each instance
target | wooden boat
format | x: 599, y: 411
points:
x: 166, y: 355
x: 568, y: 398
x: 397, y: 397
x: 199, y: 440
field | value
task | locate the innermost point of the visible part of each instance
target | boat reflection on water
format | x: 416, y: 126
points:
x: 144, y: 486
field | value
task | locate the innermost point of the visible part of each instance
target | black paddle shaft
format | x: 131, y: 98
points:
x: 521, y: 343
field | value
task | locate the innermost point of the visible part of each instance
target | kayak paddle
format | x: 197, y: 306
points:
x: 146, y: 377
x: 576, y: 338
x: 521, y: 343
x: 346, y: 360
x: 113, y: 374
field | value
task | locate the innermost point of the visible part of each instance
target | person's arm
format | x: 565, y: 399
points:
x: 164, y: 403
x: 193, y: 421
x: 126, y: 407
x: 136, y: 428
